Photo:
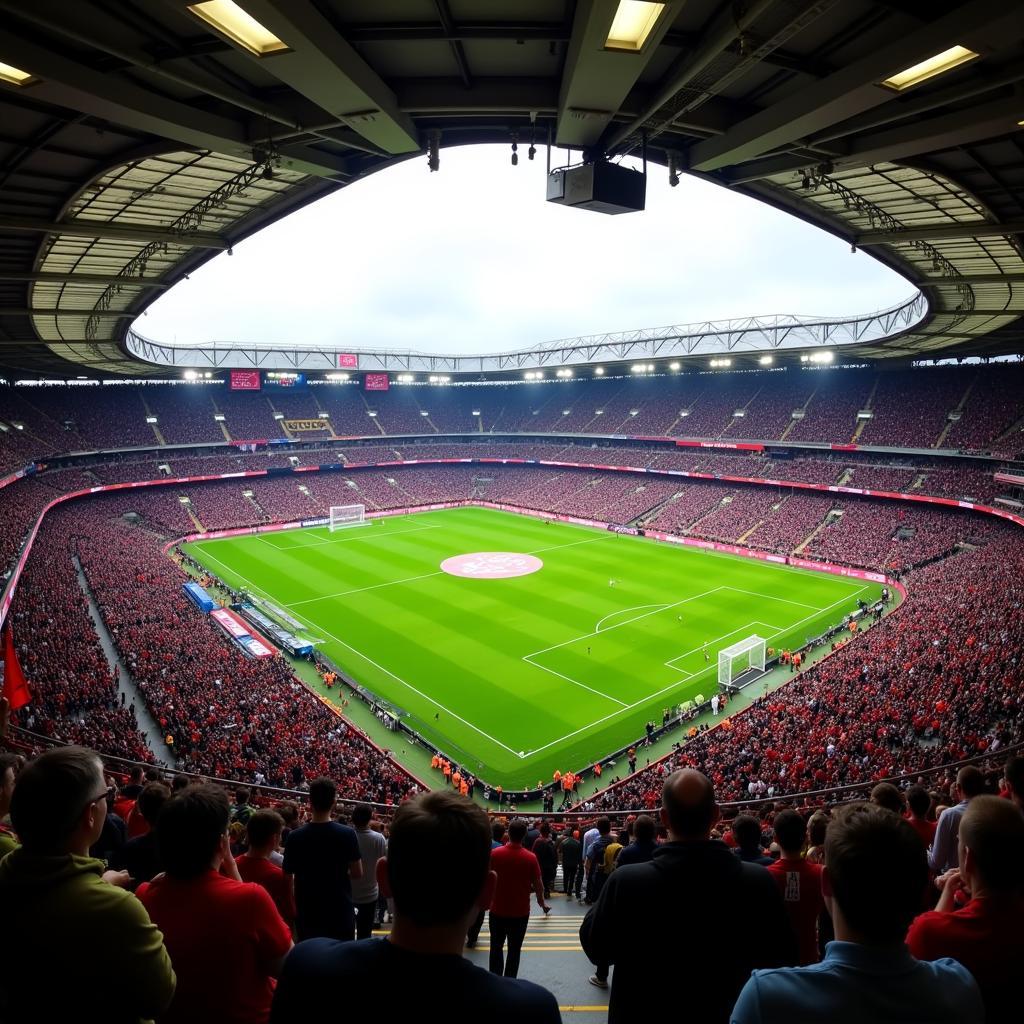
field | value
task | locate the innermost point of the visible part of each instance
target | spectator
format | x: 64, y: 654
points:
x: 518, y: 871
x: 8, y: 772
x: 365, y: 892
x: 593, y: 865
x: 226, y: 939
x: 263, y: 837
x: 1013, y: 775
x: 746, y: 830
x: 572, y: 868
x: 140, y: 857
x: 325, y: 859
x: 817, y: 829
x: 943, y: 854
x: 986, y: 935
x: 919, y: 803
x: 886, y: 795
x: 436, y: 870
x: 60, y: 908
x: 114, y: 833
x: 242, y: 810
x: 874, y: 879
x: 694, y: 906
x: 544, y: 850
x: 643, y: 846
x: 799, y: 882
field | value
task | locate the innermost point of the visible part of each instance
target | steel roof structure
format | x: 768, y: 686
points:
x: 139, y: 139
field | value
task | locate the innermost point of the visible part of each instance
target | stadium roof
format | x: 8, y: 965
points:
x: 136, y: 141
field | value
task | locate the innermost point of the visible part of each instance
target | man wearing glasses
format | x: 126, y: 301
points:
x: 68, y: 926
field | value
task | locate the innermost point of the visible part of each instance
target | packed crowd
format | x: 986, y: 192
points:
x: 909, y: 906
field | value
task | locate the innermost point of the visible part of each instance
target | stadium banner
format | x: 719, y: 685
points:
x: 740, y: 446
x: 1000, y: 478
x: 244, y: 380
x: 11, y: 477
x: 249, y: 446
x: 376, y: 382
x: 347, y: 360
x: 298, y: 426
x: 631, y: 531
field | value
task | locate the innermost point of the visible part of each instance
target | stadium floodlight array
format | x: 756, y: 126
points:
x: 344, y: 516
x: 735, y: 661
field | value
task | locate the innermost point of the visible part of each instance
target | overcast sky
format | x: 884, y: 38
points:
x: 473, y: 259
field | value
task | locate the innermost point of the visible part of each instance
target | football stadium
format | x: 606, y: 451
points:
x: 392, y: 639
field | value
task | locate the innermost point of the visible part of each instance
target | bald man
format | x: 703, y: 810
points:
x: 694, y: 911
x: 986, y: 935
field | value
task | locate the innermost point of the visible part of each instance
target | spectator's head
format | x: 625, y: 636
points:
x: 517, y: 830
x: 151, y: 801
x: 241, y: 795
x: 8, y: 772
x: 1014, y: 775
x: 919, y: 801
x: 688, y: 807
x: 361, y: 815
x: 322, y: 794
x: 135, y: 776
x: 545, y: 830
x: 152, y: 774
x: 289, y: 813
x: 263, y: 831
x: 497, y: 831
x: 992, y: 846
x: 59, y: 802
x: 643, y: 829
x: 604, y: 826
x: 747, y: 832
x: 192, y: 833
x: 817, y: 828
x: 180, y: 782
x: 790, y: 833
x: 437, y: 868
x: 876, y: 871
x: 886, y: 795
x: 970, y: 782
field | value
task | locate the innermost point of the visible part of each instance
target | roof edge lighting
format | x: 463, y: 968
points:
x: 12, y: 75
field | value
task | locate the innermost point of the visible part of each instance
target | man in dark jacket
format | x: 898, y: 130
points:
x: 572, y: 873
x: 693, y: 908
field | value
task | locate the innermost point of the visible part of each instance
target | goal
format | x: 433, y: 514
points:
x: 343, y: 516
x: 736, y: 661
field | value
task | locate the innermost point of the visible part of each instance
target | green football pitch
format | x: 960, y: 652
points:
x: 516, y: 677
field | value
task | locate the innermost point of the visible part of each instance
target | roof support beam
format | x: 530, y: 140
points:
x: 46, y: 277
x: 597, y: 80
x: 326, y: 69
x: 107, y: 229
x: 855, y: 88
x: 938, y: 232
x: 69, y: 84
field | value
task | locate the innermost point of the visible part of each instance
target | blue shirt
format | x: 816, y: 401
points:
x: 944, y: 854
x: 855, y: 984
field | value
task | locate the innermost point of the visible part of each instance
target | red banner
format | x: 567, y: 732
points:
x: 347, y: 361
x: 376, y: 382
x: 244, y: 380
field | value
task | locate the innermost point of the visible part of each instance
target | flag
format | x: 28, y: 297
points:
x: 15, y: 687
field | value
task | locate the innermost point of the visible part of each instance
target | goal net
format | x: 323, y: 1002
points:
x: 343, y: 516
x: 735, y: 661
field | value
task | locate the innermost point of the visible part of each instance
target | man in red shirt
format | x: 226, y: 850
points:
x: 225, y: 937
x: 263, y: 831
x: 987, y: 935
x: 518, y: 872
x: 799, y: 883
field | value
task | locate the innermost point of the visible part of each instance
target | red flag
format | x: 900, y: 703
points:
x: 15, y: 687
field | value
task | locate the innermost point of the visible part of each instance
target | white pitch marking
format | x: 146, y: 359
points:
x: 635, y: 608
x: 772, y: 597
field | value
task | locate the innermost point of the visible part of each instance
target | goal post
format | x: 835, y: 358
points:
x: 737, y: 660
x: 344, y: 516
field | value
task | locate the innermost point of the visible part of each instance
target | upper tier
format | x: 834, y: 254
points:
x: 948, y: 407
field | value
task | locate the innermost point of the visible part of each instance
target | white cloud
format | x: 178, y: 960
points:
x: 473, y: 259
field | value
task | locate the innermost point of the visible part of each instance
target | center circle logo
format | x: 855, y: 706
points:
x: 491, y: 565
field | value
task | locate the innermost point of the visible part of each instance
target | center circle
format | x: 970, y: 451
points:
x: 491, y: 565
